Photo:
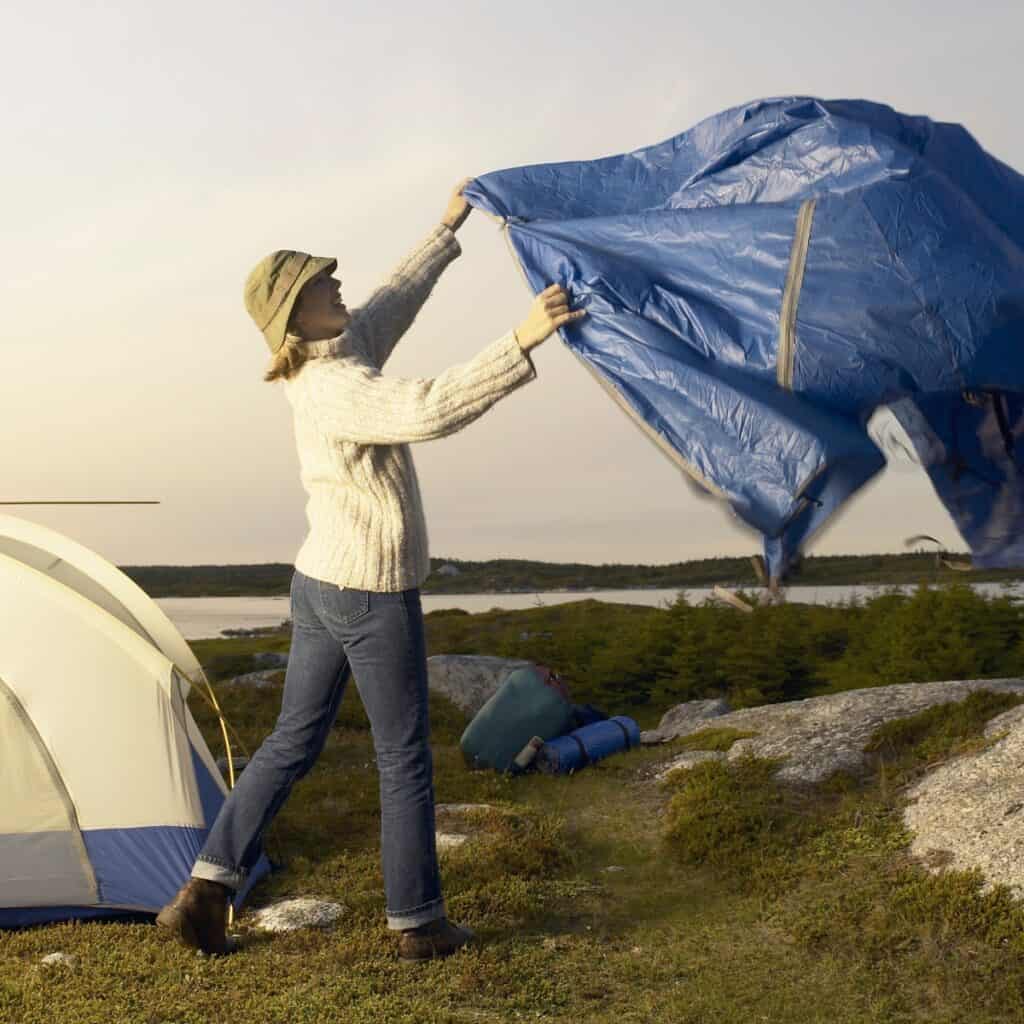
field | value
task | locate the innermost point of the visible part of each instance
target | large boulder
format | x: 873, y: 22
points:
x: 469, y: 680
x: 969, y: 812
x: 820, y: 735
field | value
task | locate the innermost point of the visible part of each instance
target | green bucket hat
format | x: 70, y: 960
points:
x: 274, y: 284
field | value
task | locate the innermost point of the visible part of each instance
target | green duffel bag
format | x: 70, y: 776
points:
x: 524, y: 706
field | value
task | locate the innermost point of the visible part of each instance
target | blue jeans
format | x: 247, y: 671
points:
x: 378, y: 638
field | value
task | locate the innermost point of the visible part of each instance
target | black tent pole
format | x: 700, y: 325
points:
x: 79, y: 502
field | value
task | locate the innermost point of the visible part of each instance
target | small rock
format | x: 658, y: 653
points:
x: 459, y: 816
x: 613, y: 867
x: 59, y: 960
x: 458, y: 810
x: 450, y: 841
x: 303, y: 912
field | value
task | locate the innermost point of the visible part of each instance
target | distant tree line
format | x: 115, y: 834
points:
x: 521, y: 575
x: 632, y: 656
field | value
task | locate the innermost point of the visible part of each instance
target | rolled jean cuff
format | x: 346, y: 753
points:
x: 214, y: 872
x: 417, y: 916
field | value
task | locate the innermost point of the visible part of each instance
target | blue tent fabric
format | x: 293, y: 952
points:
x: 759, y: 284
x: 127, y: 879
x: 971, y: 446
x: 138, y: 870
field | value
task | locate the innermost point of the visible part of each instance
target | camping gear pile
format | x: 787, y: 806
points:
x: 108, y: 786
x: 756, y: 287
x: 530, y: 722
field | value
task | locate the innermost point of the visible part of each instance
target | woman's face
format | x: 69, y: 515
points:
x: 319, y: 312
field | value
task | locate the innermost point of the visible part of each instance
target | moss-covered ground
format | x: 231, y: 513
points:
x: 734, y: 899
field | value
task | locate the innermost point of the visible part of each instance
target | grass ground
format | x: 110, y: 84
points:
x: 735, y: 900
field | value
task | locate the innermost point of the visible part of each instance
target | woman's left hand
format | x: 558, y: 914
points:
x: 458, y: 209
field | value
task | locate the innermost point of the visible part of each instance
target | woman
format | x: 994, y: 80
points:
x: 355, y: 597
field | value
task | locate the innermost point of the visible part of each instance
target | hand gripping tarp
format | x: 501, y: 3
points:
x: 758, y: 285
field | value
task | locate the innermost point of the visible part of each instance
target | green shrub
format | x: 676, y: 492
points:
x: 734, y: 818
x: 939, y: 731
x: 712, y: 739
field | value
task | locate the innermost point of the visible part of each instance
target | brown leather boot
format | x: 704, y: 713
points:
x: 198, y: 916
x: 434, y: 939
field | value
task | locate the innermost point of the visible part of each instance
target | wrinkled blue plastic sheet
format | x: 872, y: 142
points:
x: 895, y: 243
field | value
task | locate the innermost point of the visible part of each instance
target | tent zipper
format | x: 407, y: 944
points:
x: 791, y: 294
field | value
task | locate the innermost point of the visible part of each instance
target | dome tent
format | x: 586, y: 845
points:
x: 109, y: 787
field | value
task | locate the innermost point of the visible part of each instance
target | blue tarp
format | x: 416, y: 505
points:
x: 759, y: 284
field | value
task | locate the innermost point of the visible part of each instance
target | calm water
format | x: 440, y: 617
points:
x: 199, y: 617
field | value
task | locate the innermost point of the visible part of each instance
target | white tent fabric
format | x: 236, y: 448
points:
x: 99, y: 687
x: 98, y: 581
x: 50, y: 859
x: 108, y: 786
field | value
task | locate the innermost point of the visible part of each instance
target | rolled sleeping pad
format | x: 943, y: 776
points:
x: 584, y: 746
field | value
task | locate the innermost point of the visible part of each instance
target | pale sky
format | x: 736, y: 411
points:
x: 155, y: 151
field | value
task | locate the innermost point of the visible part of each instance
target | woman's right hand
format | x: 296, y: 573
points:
x: 549, y: 311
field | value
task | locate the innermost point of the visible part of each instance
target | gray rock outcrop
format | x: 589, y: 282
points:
x: 969, y: 812
x: 677, y: 721
x: 469, y: 680
x: 687, y: 760
x: 820, y: 735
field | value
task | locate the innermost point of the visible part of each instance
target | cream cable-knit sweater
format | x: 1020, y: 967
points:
x: 352, y: 427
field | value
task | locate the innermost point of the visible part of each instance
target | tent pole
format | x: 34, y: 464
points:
x: 86, y: 502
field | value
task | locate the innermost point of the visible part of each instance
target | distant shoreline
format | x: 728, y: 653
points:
x: 455, y: 577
